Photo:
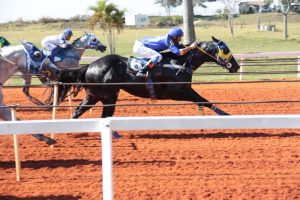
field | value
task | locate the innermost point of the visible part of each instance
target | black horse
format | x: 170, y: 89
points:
x: 113, y: 72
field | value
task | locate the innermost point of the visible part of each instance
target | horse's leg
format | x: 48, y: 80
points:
x: 27, y: 78
x: 42, y: 137
x: 111, y: 100
x: 109, y: 109
x: 188, y: 94
x: 5, y: 114
x: 83, y: 106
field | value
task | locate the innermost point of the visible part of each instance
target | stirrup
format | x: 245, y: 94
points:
x: 141, y: 74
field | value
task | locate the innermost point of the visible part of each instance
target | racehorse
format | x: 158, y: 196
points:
x: 113, y: 71
x: 68, y: 57
x: 29, y: 59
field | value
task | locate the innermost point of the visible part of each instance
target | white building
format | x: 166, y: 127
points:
x: 211, y: 9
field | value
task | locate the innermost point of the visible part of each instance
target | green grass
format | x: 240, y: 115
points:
x: 246, y: 39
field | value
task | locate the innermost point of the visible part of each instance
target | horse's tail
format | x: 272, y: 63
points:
x: 81, y: 73
x: 70, y: 76
x: 80, y: 79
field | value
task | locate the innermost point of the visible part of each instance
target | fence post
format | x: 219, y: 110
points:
x: 298, y: 68
x: 241, y: 69
x: 107, y: 162
x: 55, y: 93
x: 16, y: 146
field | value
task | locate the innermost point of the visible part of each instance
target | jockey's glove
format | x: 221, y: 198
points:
x: 194, y: 45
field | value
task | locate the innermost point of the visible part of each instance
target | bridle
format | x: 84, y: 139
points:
x: 221, y: 57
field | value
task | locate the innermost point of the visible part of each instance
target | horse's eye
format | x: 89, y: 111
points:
x: 94, y: 40
x: 226, y: 50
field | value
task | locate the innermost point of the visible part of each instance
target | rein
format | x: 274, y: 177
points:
x: 9, y: 61
x: 207, y: 53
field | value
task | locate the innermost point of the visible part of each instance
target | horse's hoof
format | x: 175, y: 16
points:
x: 38, y: 136
x: 116, y: 135
x: 50, y: 141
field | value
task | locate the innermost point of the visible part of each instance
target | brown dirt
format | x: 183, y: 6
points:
x: 181, y: 165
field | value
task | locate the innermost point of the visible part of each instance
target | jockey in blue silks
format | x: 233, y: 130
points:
x: 52, y: 44
x: 152, y: 46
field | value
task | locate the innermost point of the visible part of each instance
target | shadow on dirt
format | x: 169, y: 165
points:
x: 213, y: 135
x: 52, y: 197
x: 38, y: 164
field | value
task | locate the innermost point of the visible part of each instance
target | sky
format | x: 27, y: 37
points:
x: 12, y: 10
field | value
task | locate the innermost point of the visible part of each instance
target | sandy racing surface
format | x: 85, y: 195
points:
x: 180, y: 165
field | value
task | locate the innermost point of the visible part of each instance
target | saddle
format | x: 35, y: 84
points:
x: 135, y: 64
x: 60, y: 54
x: 34, y: 56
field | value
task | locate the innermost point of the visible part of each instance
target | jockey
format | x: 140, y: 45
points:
x: 3, y: 42
x: 150, y: 48
x: 52, y: 44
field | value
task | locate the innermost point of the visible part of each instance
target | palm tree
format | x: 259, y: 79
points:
x: 188, y: 22
x: 110, y: 20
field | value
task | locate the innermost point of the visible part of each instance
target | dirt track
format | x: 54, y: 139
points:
x: 181, y: 165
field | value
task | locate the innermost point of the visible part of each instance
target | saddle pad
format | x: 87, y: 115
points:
x: 30, y: 49
x: 136, y: 64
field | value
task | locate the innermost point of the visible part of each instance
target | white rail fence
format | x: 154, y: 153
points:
x: 268, y: 54
x: 108, y: 125
x: 247, y: 55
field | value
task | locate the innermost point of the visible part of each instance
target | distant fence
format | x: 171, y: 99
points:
x: 108, y: 125
x: 268, y: 54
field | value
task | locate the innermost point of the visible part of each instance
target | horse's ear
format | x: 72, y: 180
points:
x: 26, y: 44
x: 215, y: 39
x: 22, y: 41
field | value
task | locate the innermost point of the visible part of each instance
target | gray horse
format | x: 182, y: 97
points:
x: 69, y: 58
x: 28, y: 59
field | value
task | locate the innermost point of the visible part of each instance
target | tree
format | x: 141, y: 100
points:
x: 229, y: 12
x: 259, y: 11
x: 188, y: 22
x: 110, y: 20
x: 285, y: 8
x: 168, y: 4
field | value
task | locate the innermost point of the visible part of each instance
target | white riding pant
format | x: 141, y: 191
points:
x: 48, y: 46
x: 140, y: 49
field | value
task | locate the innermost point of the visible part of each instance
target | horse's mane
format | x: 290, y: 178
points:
x: 76, y: 40
x: 75, y: 75
x: 206, y: 45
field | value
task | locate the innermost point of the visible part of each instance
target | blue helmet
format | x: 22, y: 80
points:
x: 175, y: 32
x: 68, y: 32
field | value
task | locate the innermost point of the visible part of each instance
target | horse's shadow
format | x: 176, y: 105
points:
x: 214, y: 135
x: 71, y: 163
x: 52, y: 197
x: 38, y: 164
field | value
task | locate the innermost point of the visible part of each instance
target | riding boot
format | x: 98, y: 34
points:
x: 144, y: 69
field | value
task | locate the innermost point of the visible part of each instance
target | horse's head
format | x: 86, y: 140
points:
x: 224, y: 57
x: 89, y: 41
